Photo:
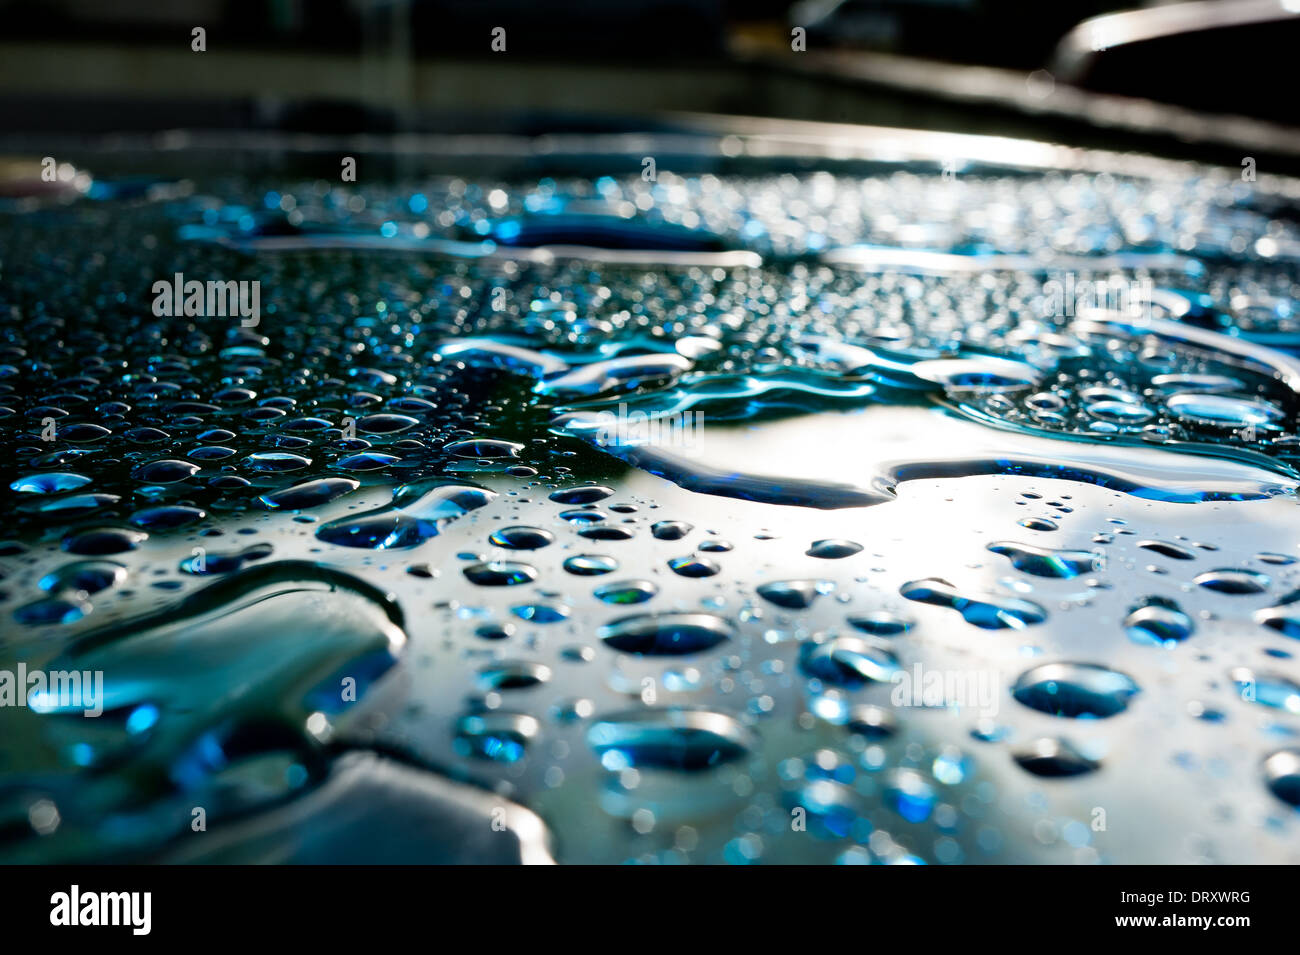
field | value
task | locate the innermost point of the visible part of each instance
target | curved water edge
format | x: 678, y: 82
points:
x: 1138, y: 472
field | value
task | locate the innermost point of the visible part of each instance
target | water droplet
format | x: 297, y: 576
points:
x: 1045, y: 562
x: 1226, y: 580
x: 513, y: 675
x: 693, y: 566
x: 88, y: 576
x: 500, y: 573
x: 1053, y: 758
x: 367, y: 461
x: 666, y: 634
x: 309, y: 494
x: 833, y: 549
x: 984, y: 375
x: 276, y: 462
x: 490, y: 448
x: 1157, y: 621
x: 671, y: 530
x: 880, y: 623
x: 1038, y: 524
x: 208, y: 565
x: 590, y: 565
x: 848, y: 662
x: 872, y: 722
x: 832, y: 808
x: 1166, y: 549
x: 1076, y: 690
x: 541, y: 612
x: 1120, y: 412
x: 987, y: 614
x: 101, y: 541
x: 53, y: 610
x: 1282, y: 775
x: 626, y: 592
x: 387, y: 424
x: 584, y: 516
x: 585, y: 494
x: 522, y: 538
x: 909, y: 795
x: 166, y: 517
x: 792, y: 594
x: 1267, y: 689
x: 496, y: 735
x: 417, y: 513
x: 50, y: 482
x: 602, y: 533
x: 688, y: 740
x: 167, y: 471
x: 1223, y: 410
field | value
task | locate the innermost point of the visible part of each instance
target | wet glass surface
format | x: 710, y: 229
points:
x: 789, y: 512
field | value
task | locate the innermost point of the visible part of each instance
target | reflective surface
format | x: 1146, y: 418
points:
x: 865, y: 514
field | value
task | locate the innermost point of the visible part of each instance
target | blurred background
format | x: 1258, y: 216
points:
x: 1204, y: 79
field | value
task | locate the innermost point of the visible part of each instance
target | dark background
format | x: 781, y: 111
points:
x: 1215, y: 83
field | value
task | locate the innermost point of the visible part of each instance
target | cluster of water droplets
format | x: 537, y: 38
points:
x: 406, y: 512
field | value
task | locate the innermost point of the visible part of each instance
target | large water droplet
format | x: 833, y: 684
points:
x: 666, y: 634
x: 1228, y: 580
x: 584, y: 494
x: 500, y: 573
x: 1053, y: 758
x: 50, y: 482
x: 484, y: 448
x: 522, y: 538
x: 670, y: 530
x: 675, y: 738
x: 692, y: 565
x: 276, y: 462
x: 590, y: 565
x: 310, y: 493
x: 1158, y: 621
x: 880, y: 623
x: 1267, y: 689
x: 835, y: 549
x: 1223, y: 410
x: 100, y: 541
x: 167, y: 471
x: 385, y: 423
x: 89, y: 576
x: 848, y: 662
x: 1045, y: 562
x: 1077, y: 690
x: 1284, y: 618
x: 792, y: 594
x: 496, y: 735
x: 626, y: 592
x: 513, y: 675
x: 417, y: 513
x: 1282, y: 775
x: 1167, y: 549
x: 166, y: 517
x: 990, y: 613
